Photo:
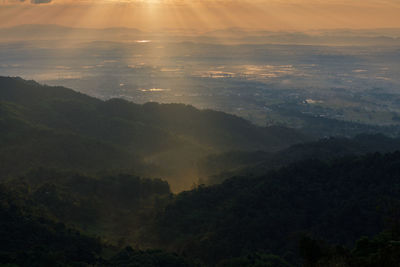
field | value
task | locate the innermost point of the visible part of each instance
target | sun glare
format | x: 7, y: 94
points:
x: 203, y: 15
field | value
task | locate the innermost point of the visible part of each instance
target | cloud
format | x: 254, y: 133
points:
x: 40, y: 1
x: 35, y: 2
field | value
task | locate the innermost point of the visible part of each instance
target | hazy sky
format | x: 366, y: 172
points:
x: 204, y: 14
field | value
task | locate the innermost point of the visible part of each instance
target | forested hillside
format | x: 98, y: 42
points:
x: 114, y: 207
x: 28, y: 239
x: 338, y: 201
x: 57, y: 127
x: 218, y: 167
x: 87, y: 182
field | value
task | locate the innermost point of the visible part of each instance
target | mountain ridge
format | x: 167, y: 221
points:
x: 163, y: 140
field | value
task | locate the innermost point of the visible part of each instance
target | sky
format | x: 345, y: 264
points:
x: 273, y: 15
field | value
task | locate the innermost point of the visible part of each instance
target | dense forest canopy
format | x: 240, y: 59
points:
x: 93, y: 135
x: 338, y: 201
x: 88, y: 182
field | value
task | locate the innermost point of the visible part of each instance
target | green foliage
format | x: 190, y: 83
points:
x: 27, y: 240
x: 113, y: 206
x: 337, y: 201
x: 382, y: 250
x: 43, y: 126
x: 216, y: 168
x: 255, y: 218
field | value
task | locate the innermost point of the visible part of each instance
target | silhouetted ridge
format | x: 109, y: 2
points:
x: 39, y: 121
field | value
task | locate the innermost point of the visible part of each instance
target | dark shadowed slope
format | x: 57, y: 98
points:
x: 338, y: 201
x: 216, y: 168
x: 58, y: 127
x: 27, y: 239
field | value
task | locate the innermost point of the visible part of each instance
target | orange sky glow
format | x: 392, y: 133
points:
x: 204, y: 14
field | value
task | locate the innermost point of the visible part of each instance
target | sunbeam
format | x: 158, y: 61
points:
x: 201, y: 15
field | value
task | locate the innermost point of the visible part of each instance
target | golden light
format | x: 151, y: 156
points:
x: 206, y: 14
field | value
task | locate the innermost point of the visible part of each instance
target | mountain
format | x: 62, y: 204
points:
x: 74, y: 192
x: 314, y: 37
x: 27, y: 239
x: 216, y: 168
x: 58, y: 127
x: 113, y: 207
x: 338, y: 201
x: 51, y: 32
